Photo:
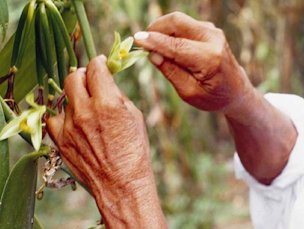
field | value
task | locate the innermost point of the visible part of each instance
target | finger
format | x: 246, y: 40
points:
x: 187, y: 53
x: 100, y: 81
x: 55, y: 126
x: 71, y: 155
x: 75, y: 88
x: 182, y: 81
x: 74, y: 169
x: 68, y: 124
x: 178, y: 24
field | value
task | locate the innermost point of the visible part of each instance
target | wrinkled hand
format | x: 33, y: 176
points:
x: 195, y: 57
x: 102, y: 138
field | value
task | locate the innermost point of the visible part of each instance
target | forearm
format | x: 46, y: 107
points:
x: 133, y: 206
x: 263, y: 136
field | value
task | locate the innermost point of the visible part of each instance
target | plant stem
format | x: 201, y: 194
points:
x: 55, y: 86
x: 51, y: 111
x: 85, y: 28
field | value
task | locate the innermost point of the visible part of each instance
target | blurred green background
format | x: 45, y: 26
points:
x: 191, y: 150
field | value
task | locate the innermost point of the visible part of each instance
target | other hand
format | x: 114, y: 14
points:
x: 195, y: 57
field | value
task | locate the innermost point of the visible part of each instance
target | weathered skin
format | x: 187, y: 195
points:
x: 102, y: 136
x: 197, y: 60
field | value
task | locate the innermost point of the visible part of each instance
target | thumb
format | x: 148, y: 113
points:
x: 55, y: 126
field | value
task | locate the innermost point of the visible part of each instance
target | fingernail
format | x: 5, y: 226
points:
x: 141, y: 35
x: 156, y: 58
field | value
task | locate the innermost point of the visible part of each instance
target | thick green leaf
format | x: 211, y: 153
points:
x: 4, y: 155
x: 3, y: 17
x: 26, y: 76
x: 18, y: 198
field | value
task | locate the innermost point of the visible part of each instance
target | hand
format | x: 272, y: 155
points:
x: 195, y: 57
x: 102, y: 138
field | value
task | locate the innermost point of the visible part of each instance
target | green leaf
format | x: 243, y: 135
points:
x: 26, y: 76
x: 3, y: 17
x: 18, y: 198
x: 37, y: 224
x: 4, y: 155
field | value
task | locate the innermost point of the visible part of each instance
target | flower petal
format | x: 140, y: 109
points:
x: 35, y: 123
x: 132, y: 58
x: 114, y: 66
x: 114, y: 53
x: 30, y: 99
x: 11, y: 129
x: 127, y: 44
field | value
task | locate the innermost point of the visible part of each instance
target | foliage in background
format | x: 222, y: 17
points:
x: 191, y: 150
x: 3, y: 18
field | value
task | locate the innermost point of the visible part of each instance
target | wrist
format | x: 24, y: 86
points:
x: 135, y: 205
x: 245, y: 101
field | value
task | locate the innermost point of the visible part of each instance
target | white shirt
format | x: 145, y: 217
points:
x: 280, y: 205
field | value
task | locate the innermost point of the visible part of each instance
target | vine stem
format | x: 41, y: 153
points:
x: 85, y: 28
x: 55, y: 86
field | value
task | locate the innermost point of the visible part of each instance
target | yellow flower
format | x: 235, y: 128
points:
x: 25, y: 127
x: 123, y: 53
x: 29, y: 121
x: 121, y: 56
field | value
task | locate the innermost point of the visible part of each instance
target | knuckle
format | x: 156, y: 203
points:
x: 176, y: 16
x: 176, y: 44
x: 98, y: 61
x: 107, y: 103
x: 220, y: 35
x: 210, y: 24
x: 218, y: 53
x: 80, y: 118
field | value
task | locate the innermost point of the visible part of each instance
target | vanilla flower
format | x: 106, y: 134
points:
x: 121, y: 56
x: 29, y: 121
